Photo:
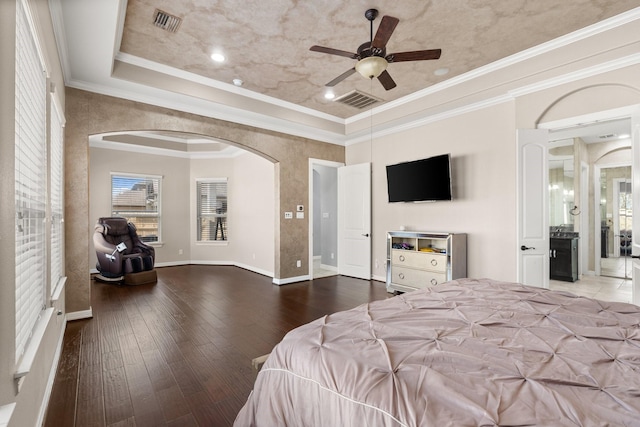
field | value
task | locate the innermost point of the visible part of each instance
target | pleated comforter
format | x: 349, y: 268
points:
x: 465, y: 353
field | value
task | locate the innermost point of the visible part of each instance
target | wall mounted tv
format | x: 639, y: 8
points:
x: 425, y: 180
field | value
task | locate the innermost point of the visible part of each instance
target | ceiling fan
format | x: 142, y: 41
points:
x: 372, y: 55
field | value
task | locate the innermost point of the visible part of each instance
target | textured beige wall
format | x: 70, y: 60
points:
x: 89, y: 113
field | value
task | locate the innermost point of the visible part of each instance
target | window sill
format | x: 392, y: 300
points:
x: 155, y: 244
x: 213, y: 243
x: 5, y: 414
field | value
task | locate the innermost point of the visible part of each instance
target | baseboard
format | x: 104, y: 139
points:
x: 288, y: 280
x: 79, y: 315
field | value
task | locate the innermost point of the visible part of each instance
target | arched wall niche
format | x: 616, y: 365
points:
x: 90, y: 114
x: 588, y: 100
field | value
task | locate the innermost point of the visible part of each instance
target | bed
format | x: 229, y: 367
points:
x: 464, y: 353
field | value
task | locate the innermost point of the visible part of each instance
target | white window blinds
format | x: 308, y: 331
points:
x: 212, y: 210
x: 137, y: 198
x: 30, y: 181
x: 56, y: 245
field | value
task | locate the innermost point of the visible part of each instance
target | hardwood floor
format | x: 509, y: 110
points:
x: 178, y: 352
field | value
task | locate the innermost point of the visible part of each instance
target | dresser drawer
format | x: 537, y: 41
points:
x: 423, y: 260
x: 416, y: 278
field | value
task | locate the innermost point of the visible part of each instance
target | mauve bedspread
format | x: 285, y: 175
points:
x: 465, y: 353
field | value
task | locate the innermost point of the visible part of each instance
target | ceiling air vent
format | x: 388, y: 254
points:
x: 357, y: 99
x: 166, y: 21
x: 608, y: 136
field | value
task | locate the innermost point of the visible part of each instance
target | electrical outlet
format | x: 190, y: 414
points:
x: 179, y: 251
x: 298, y: 263
x: 288, y: 215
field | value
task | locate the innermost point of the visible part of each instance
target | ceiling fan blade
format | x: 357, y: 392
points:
x: 331, y: 51
x: 386, y: 80
x: 416, y: 55
x: 341, y: 77
x: 387, y: 25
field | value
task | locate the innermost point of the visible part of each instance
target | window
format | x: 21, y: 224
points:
x: 212, y: 210
x: 137, y: 198
x: 56, y: 245
x: 30, y: 181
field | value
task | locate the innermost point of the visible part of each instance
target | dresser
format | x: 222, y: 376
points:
x: 418, y: 259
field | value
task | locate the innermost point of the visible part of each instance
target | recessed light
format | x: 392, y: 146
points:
x: 329, y: 95
x: 238, y: 82
x: 624, y: 136
x: 441, y: 71
x: 217, y: 57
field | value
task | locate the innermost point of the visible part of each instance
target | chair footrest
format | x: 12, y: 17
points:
x: 141, y: 277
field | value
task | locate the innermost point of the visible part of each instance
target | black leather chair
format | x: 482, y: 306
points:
x: 122, y: 256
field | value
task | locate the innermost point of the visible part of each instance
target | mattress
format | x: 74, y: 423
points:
x: 464, y: 353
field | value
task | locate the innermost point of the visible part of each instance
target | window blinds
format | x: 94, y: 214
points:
x: 212, y: 210
x: 30, y: 181
x: 137, y: 198
x: 57, y: 195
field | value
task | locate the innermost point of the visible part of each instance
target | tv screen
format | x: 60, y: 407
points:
x: 425, y: 180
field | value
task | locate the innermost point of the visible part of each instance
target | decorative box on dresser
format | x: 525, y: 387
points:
x: 419, y: 259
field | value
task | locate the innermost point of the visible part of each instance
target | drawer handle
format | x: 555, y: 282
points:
x: 434, y: 282
x: 401, y: 276
x: 434, y: 262
x: 401, y: 258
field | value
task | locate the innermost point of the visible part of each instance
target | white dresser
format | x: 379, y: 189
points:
x: 419, y: 259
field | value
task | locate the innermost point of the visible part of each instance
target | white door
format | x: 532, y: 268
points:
x: 635, y: 191
x: 354, y: 221
x: 533, y: 212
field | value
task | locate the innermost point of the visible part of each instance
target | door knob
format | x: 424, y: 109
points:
x: 366, y: 235
x: 525, y: 248
x: 635, y: 256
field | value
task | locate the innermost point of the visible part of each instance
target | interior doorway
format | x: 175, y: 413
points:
x: 323, y: 218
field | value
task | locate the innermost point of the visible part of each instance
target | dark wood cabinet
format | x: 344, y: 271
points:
x: 563, y: 254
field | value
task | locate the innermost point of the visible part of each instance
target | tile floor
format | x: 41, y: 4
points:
x: 599, y: 287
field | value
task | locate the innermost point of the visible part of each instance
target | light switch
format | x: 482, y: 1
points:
x: 300, y: 215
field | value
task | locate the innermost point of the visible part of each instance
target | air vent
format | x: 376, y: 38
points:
x: 166, y: 21
x: 608, y: 136
x: 357, y: 99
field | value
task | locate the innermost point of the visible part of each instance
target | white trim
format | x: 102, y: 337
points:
x: 6, y: 411
x: 228, y: 87
x: 52, y: 376
x: 79, y: 315
x: 154, y: 96
x: 230, y: 153
x: 33, y: 346
x: 581, y: 34
x: 583, y: 73
x: 58, y: 289
x: 288, y: 280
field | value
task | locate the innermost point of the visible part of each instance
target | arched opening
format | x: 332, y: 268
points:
x: 206, y: 207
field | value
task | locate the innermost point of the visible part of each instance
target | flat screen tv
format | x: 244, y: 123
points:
x: 425, y: 180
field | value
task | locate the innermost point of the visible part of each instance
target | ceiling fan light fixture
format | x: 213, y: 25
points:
x: 371, y: 66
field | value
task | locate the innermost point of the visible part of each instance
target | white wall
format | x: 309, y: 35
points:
x: 482, y: 143
x: 251, y: 215
x: 483, y: 178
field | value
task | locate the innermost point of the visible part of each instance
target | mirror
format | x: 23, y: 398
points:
x: 561, y: 187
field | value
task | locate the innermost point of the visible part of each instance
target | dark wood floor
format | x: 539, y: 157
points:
x: 178, y: 352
